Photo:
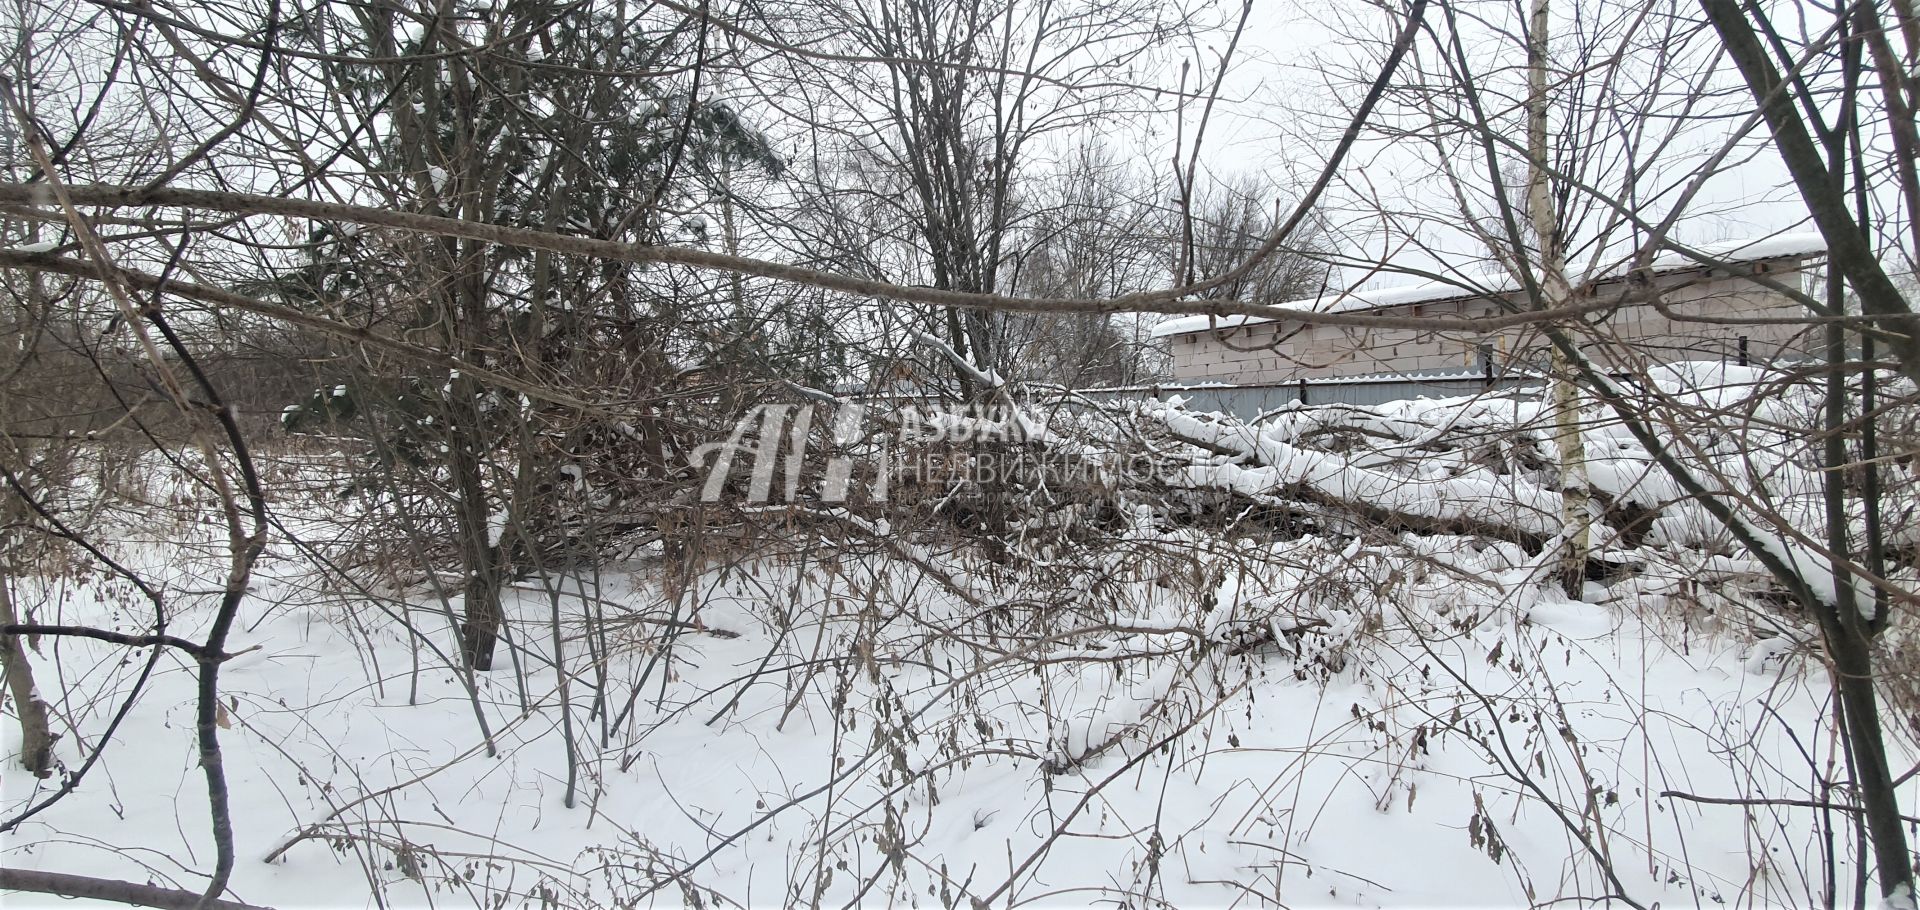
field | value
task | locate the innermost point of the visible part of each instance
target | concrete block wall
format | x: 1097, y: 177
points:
x: 1634, y: 334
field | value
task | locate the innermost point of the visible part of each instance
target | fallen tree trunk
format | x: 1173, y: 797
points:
x: 1529, y: 516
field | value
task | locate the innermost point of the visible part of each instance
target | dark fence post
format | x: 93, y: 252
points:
x: 1303, y: 391
x: 1743, y: 350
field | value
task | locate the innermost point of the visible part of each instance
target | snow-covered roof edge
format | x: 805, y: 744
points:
x: 1772, y: 246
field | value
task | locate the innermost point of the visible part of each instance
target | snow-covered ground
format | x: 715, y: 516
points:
x: 1215, y: 720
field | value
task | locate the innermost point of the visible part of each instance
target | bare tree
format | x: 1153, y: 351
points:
x: 1869, y: 215
x: 950, y: 120
x: 1092, y: 231
x: 1603, y: 112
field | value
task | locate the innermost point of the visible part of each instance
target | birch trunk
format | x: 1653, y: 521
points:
x: 1555, y: 293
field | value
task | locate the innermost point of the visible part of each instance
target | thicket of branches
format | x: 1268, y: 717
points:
x: 454, y: 300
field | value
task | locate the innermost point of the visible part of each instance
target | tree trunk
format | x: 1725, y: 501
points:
x: 479, y: 550
x: 36, y: 737
x: 481, y: 625
x: 1554, y: 293
x: 1848, y: 634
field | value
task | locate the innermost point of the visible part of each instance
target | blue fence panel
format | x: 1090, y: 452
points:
x: 1250, y: 401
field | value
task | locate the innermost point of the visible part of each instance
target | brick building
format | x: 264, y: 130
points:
x: 1676, y: 310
